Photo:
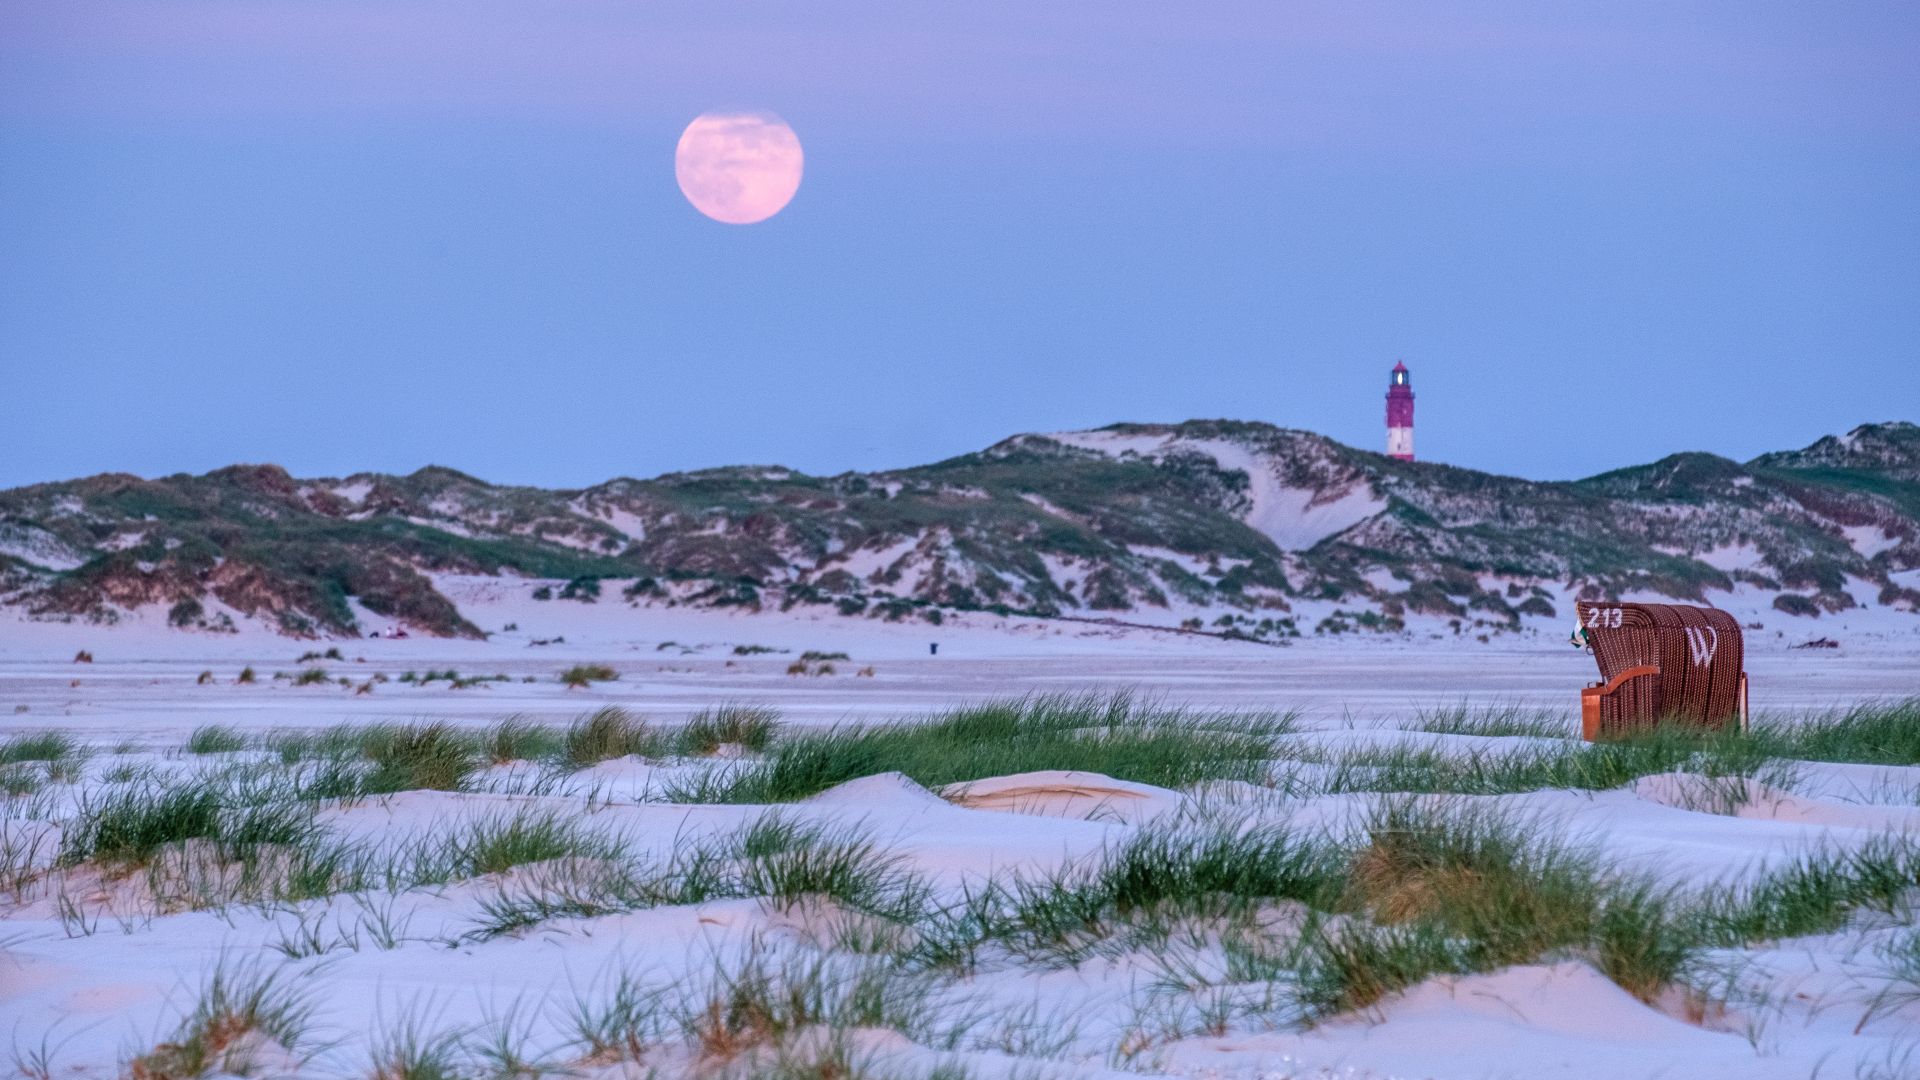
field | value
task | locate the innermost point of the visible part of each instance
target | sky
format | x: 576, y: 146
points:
x: 353, y: 235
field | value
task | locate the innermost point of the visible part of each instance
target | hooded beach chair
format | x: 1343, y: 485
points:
x: 1662, y: 663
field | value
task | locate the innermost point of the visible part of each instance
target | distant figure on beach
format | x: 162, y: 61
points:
x: 933, y: 648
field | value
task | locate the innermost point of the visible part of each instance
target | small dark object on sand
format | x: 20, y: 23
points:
x: 1817, y: 643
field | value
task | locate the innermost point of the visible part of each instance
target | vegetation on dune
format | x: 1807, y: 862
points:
x: 1883, y: 733
x: 215, y: 739
x: 1250, y: 918
x: 750, y: 727
x: 1874, y: 733
x: 581, y: 675
x: 1117, y: 735
x: 243, y: 1020
x: 606, y: 734
x: 1032, y: 525
x: 131, y: 825
x: 48, y: 746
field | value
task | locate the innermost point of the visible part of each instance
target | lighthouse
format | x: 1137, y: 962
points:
x: 1400, y: 414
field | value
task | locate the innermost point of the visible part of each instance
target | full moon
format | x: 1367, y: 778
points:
x: 738, y: 167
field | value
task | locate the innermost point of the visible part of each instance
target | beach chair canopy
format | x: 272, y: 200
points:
x: 1662, y: 663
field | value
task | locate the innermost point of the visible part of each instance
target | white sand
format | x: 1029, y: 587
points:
x: 96, y: 998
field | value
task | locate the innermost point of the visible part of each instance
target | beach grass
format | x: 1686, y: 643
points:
x: 1298, y: 923
x: 1117, y: 735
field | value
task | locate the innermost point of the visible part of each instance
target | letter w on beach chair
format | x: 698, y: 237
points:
x: 1662, y: 663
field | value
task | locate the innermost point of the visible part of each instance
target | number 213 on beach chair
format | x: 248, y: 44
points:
x: 1661, y: 664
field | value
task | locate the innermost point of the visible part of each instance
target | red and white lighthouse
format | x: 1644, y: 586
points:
x: 1400, y: 414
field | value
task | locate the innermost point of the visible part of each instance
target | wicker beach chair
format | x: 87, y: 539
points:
x: 1662, y: 663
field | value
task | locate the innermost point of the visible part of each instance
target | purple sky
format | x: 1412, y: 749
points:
x: 347, y: 235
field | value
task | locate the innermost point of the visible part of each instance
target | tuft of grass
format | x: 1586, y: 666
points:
x: 496, y: 845
x: 1115, y: 735
x: 130, y: 825
x: 1478, y: 876
x: 814, y: 656
x: 48, y: 746
x: 214, y: 739
x: 515, y: 739
x: 408, y: 1052
x: 1641, y: 940
x: 605, y: 734
x: 1133, y: 895
x: 1224, y: 868
x: 432, y: 757
x: 763, y: 1002
x: 772, y: 857
x: 330, y: 654
x: 748, y: 726
x: 1899, y: 956
x: 1450, y: 891
x: 1495, y: 721
x: 1814, y: 894
x: 311, y: 677
x: 238, y: 1017
x: 1873, y: 733
x: 848, y: 870
x: 1580, y: 766
x: 624, y: 1026
x: 246, y: 676
x: 1355, y: 964
x: 21, y: 778
x: 582, y: 675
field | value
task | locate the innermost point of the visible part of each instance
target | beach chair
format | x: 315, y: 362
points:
x: 1662, y: 663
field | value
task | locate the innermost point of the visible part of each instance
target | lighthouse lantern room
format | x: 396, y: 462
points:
x: 1400, y: 414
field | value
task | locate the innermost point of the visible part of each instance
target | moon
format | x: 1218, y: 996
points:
x: 738, y: 167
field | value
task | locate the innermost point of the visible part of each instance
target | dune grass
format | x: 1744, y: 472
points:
x: 772, y: 857
x: 433, y: 757
x: 498, y: 844
x: 1495, y: 721
x: 49, y: 747
x: 751, y: 727
x: 1580, y: 766
x: 1498, y: 895
x: 129, y: 825
x: 408, y: 1050
x: 21, y: 778
x: 1871, y: 733
x: 606, y: 734
x: 1117, y: 735
x: 582, y: 675
x: 215, y: 739
x: 1815, y: 893
x: 1302, y: 925
x: 242, y: 1020
x: 515, y: 739
x: 760, y: 1004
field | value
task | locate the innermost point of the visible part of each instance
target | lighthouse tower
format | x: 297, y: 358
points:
x: 1400, y: 414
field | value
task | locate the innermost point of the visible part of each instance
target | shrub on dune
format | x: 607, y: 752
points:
x: 583, y: 675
